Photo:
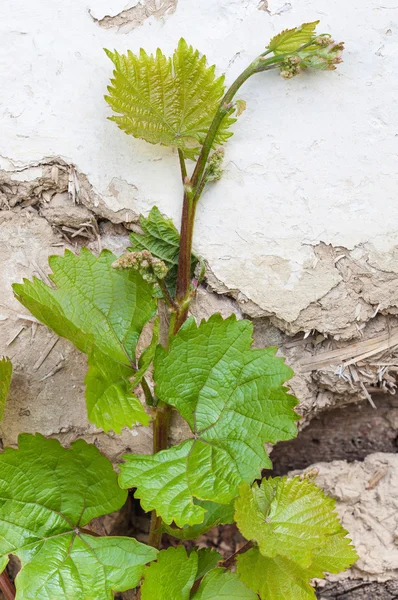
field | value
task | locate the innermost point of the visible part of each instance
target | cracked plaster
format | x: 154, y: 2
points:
x: 311, y: 163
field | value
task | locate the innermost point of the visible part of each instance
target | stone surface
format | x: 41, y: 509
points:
x: 359, y: 590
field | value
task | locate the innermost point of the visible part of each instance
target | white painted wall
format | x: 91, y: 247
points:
x: 312, y: 159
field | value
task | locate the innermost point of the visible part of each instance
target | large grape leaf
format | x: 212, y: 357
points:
x: 288, y: 517
x: 102, y: 311
x: 174, y: 573
x: 5, y: 382
x: 291, y: 40
x: 169, y: 101
x: 234, y: 401
x: 162, y: 239
x: 47, y: 497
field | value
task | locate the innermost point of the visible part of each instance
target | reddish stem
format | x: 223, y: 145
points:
x: 7, y: 587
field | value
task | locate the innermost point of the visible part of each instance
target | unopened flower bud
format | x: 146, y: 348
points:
x: 150, y: 268
x: 214, y: 170
x: 324, y: 40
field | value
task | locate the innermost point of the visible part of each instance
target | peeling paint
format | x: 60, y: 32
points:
x: 135, y: 16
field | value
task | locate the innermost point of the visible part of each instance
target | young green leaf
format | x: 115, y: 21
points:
x: 162, y: 239
x: 280, y: 577
x: 289, y: 517
x: 216, y: 514
x: 291, y: 40
x: 274, y: 578
x: 5, y: 382
x: 169, y: 101
x: 82, y: 308
x: 234, y: 401
x: 220, y: 584
x: 171, y: 576
x: 49, y: 494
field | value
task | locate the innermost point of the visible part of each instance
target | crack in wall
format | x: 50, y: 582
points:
x: 60, y: 193
x: 136, y: 16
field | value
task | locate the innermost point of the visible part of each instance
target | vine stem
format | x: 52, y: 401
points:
x: 193, y: 188
x: 7, y: 587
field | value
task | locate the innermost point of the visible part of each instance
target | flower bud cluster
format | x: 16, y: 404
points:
x: 214, y: 169
x: 290, y: 67
x: 323, y: 53
x: 150, y: 268
x: 325, y: 57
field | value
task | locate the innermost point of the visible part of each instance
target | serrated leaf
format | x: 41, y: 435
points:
x: 291, y: 40
x: 216, y: 514
x: 171, y: 576
x: 220, y: 584
x: 289, y: 517
x: 109, y: 395
x: 274, y: 578
x: 279, y: 577
x: 102, y: 311
x: 234, y: 401
x: 161, y: 483
x: 207, y: 560
x: 169, y: 101
x: 162, y: 239
x: 333, y: 557
x: 5, y: 382
x: 48, y: 495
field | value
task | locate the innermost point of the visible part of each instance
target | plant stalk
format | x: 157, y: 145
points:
x: 192, y: 191
x: 7, y: 587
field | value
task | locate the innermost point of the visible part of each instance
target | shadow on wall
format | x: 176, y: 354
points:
x: 349, y: 433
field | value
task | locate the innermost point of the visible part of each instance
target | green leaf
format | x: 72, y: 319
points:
x: 274, y: 578
x: 207, y: 560
x: 220, y: 584
x: 110, y: 401
x: 171, y: 576
x: 234, y: 401
x: 83, y: 308
x: 289, y: 517
x: 279, y: 577
x: 3, y: 563
x: 48, y: 495
x: 5, y: 382
x: 299, y: 537
x: 161, y: 483
x: 336, y: 555
x: 291, y: 40
x: 216, y: 514
x: 169, y: 101
x: 162, y: 239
